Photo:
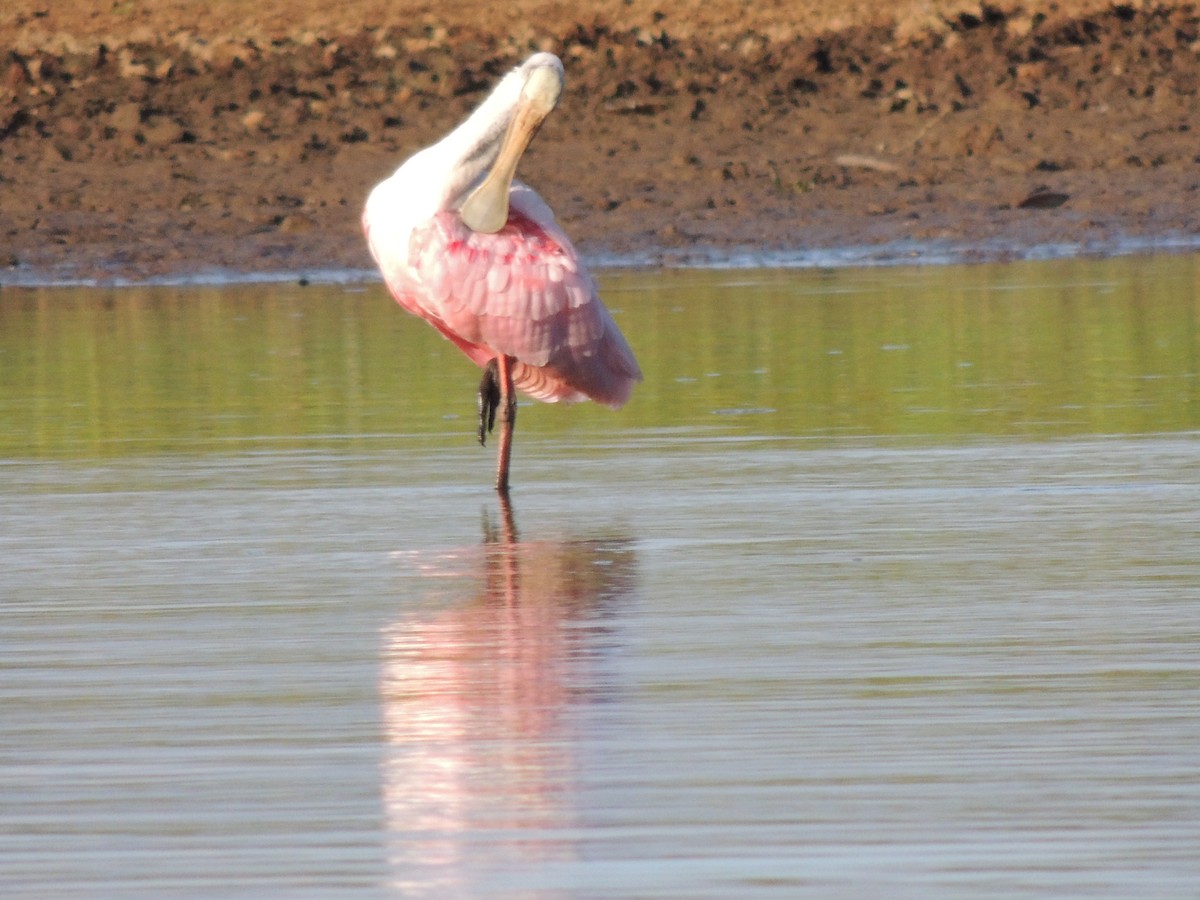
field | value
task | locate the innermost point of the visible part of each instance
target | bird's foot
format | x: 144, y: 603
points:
x: 489, y: 399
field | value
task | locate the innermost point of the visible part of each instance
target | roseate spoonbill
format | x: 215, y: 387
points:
x: 480, y: 257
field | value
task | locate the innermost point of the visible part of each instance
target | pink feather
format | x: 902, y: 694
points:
x: 521, y: 292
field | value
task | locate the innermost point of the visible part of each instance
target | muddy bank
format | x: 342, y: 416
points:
x: 178, y: 151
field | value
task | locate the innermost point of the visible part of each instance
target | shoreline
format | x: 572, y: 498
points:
x: 898, y: 254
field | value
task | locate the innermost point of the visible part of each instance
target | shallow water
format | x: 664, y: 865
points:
x: 887, y: 583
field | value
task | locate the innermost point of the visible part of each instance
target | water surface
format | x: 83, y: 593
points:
x: 886, y: 583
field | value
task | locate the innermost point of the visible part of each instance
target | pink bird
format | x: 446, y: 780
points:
x: 480, y: 257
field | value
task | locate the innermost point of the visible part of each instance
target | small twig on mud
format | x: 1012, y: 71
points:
x: 920, y: 135
x: 857, y: 161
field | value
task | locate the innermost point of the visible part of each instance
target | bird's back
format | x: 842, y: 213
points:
x: 521, y: 292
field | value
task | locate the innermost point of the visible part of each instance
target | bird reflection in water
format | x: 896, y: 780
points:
x: 483, y: 702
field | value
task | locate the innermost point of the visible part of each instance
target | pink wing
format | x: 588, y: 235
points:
x: 521, y: 292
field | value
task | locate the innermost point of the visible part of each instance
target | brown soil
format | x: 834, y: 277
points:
x: 139, y: 139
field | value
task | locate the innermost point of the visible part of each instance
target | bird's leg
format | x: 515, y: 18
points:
x: 489, y: 399
x: 508, y: 418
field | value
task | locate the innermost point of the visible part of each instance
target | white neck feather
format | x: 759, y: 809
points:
x: 465, y: 154
x: 442, y: 175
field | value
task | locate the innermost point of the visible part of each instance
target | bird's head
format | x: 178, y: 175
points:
x: 540, y: 83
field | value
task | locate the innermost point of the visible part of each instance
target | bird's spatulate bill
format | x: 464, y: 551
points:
x: 486, y: 209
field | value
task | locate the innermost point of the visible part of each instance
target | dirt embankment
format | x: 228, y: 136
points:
x: 181, y: 145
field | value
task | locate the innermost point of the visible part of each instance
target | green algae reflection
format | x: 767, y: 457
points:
x: 927, y: 353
